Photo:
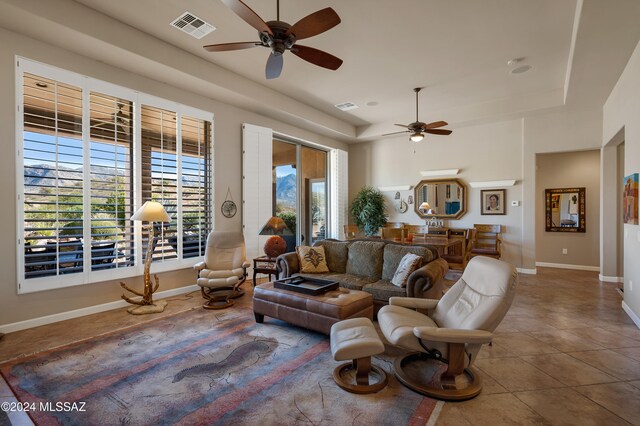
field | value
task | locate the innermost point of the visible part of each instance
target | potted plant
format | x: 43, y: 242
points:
x: 368, y: 210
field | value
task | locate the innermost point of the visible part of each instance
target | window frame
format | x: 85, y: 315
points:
x: 89, y: 85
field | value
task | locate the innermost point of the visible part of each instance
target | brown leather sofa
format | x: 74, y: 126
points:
x: 369, y: 265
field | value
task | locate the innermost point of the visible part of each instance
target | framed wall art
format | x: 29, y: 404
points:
x: 493, y: 201
x: 630, y: 199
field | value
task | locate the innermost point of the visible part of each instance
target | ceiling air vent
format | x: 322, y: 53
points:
x: 346, y: 106
x: 192, y: 25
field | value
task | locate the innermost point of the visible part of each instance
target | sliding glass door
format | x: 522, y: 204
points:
x: 300, y: 191
x: 314, y: 186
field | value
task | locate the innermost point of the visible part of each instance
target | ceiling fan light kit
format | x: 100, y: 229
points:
x: 416, y: 137
x: 280, y: 36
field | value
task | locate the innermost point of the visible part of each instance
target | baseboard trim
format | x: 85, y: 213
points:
x: 635, y: 318
x: 568, y: 266
x: 528, y: 271
x: 607, y: 279
x: 50, y: 319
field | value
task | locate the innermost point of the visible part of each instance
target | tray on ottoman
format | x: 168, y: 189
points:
x: 306, y: 285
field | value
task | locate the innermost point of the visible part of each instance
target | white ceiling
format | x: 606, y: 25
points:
x: 457, y: 49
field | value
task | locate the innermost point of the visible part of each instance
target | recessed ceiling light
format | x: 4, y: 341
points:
x: 515, y: 61
x: 521, y: 69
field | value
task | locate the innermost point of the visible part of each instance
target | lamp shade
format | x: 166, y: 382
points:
x: 275, y: 226
x: 424, y: 207
x: 151, y: 211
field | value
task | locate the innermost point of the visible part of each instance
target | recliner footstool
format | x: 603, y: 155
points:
x: 356, y: 339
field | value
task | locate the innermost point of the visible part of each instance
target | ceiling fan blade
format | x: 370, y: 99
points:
x: 438, y: 131
x: 402, y: 125
x: 248, y: 15
x: 274, y: 66
x: 317, y: 57
x: 224, y: 47
x: 395, y: 133
x: 314, y: 24
x: 436, y: 124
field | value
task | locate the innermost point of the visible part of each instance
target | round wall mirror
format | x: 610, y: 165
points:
x: 446, y: 199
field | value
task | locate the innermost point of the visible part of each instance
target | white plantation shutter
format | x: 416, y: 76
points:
x: 88, y: 154
x: 196, y: 179
x: 257, y: 185
x: 339, y: 176
x: 160, y: 176
x: 111, y: 182
x: 52, y: 164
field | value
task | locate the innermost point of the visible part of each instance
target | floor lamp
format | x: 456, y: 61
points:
x: 151, y: 211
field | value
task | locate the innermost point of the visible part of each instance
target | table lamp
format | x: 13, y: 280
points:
x: 151, y: 211
x: 425, y: 208
x: 276, y: 245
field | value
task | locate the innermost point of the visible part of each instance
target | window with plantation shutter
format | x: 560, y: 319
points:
x: 160, y: 175
x: 111, y: 182
x: 196, y: 175
x: 88, y: 155
x: 165, y: 157
x: 53, y: 177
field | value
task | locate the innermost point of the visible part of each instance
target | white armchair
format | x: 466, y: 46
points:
x: 223, y: 270
x: 446, y: 339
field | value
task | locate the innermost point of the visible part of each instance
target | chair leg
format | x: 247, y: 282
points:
x: 455, y: 366
x: 429, y: 377
x: 216, y: 301
x: 236, y: 291
x: 363, y: 367
x: 364, y: 371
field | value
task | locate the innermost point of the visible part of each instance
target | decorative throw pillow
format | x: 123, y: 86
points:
x: 312, y: 259
x: 409, y: 263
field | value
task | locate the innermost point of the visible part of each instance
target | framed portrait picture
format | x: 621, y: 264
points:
x: 493, y: 201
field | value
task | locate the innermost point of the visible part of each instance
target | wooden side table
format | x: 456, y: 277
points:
x: 264, y: 265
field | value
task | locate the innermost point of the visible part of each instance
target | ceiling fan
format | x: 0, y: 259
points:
x: 279, y: 36
x: 417, y: 128
x: 120, y: 119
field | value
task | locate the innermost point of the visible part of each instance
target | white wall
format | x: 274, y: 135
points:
x: 622, y: 111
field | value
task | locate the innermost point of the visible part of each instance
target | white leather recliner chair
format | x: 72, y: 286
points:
x: 447, y: 341
x: 224, y: 269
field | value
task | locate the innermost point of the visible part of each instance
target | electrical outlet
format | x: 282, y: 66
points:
x: 564, y: 251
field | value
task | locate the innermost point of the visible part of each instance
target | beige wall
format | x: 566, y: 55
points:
x: 482, y: 153
x: 228, y: 154
x: 621, y: 113
x: 568, y: 170
x: 503, y: 150
x: 618, y: 216
x: 561, y: 130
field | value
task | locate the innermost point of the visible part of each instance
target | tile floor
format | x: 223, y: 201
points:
x: 566, y: 354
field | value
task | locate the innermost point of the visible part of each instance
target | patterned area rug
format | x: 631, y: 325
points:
x: 199, y: 367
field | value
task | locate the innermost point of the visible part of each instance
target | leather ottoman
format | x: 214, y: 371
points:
x: 317, y: 313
